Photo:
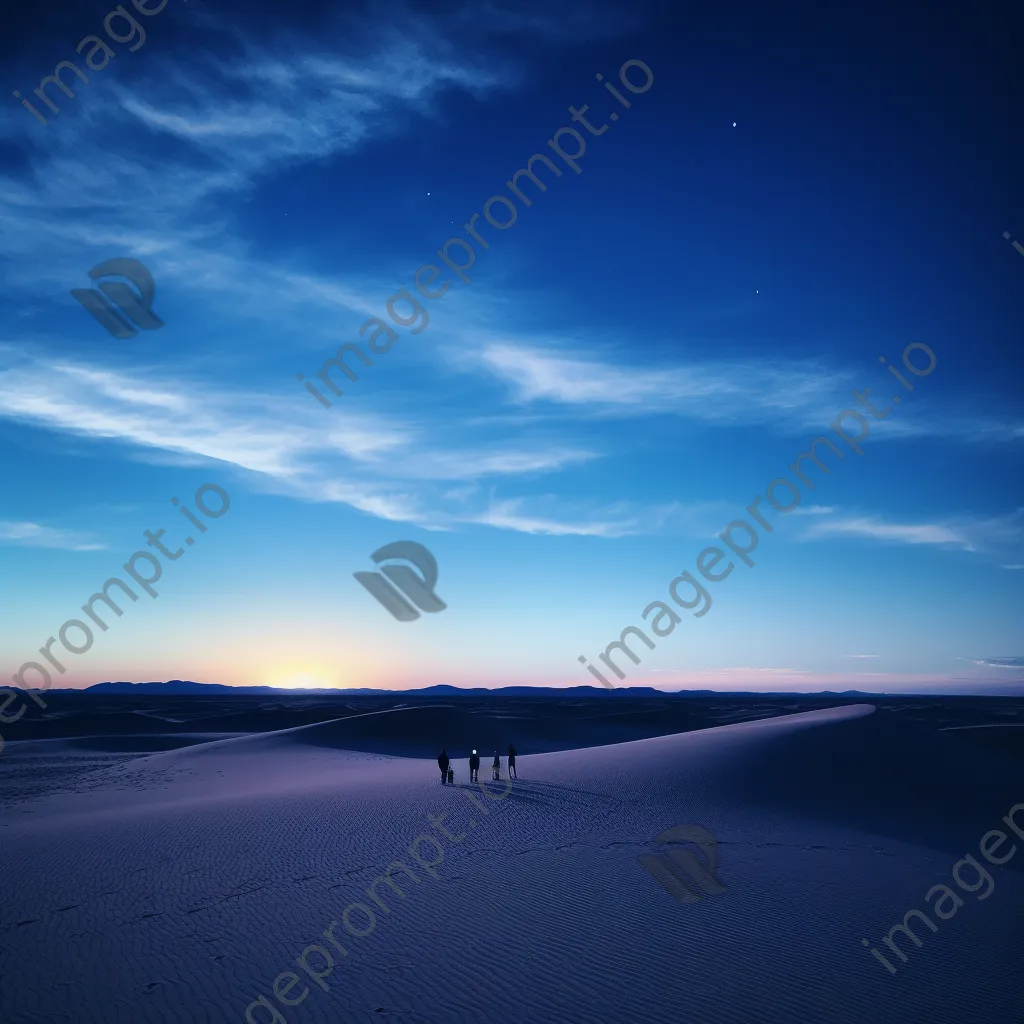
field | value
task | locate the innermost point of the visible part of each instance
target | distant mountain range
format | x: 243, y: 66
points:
x: 184, y: 686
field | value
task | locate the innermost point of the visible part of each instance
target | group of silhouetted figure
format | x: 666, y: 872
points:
x: 448, y: 772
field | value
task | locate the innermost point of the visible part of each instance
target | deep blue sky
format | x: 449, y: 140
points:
x: 634, y: 361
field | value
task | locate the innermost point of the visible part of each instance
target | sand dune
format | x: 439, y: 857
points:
x: 181, y: 884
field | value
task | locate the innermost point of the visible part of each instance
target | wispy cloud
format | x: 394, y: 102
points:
x: 860, y: 655
x: 787, y: 396
x: 189, y: 420
x: 968, y: 426
x: 978, y: 535
x: 198, y: 138
x: 468, y: 465
x: 507, y: 515
x: 34, y: 535
x: 559, y: 517
x: 353, y: 97
x: 878, y: 529
x: 389, y: 467
x: 1011, y: 663
x: 202, y: 129
x: 716, y: 392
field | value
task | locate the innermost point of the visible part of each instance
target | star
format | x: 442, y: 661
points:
x: 734, y: 124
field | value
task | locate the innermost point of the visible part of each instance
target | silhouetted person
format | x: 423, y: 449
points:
x: 496, y: 767
x: 442, y: 763
x: 474, y: 767
x: 512, y: 762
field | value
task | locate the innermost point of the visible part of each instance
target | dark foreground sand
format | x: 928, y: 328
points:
x: 179, y: 885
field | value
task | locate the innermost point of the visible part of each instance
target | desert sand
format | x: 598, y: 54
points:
x: 178, y: 885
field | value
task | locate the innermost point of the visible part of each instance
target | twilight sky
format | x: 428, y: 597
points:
x: 802, y: 190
